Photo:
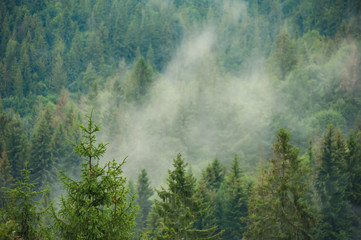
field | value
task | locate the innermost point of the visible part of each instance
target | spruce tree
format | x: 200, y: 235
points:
x: 95, y: 206
x: 278, y: 207
x: 214, y: 175
x: 177, y: 207
x: 208, y: 206
x: 336, y: 220
x: 41, y: 155
x: 210, y: 195
x: 22, y: 214
x: 236, y: 209
x: 144, y: 192
x: 353, y: 188
x: 353, y: 159
x: 6, y: 178
x: 285, y: 55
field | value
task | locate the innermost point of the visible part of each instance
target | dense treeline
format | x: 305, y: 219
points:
x: 60, y: 58
x: 311, y: 197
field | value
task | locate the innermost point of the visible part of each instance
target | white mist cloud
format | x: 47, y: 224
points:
x: 194, y: 109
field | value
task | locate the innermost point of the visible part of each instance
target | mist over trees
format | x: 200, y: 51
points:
x: 238, y: 119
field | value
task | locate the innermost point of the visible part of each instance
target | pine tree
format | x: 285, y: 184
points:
x: 278, y: 208
x: 236, y: 203
x: 210, y: 194
x: 141, y: 78
x: 41, y: 156
x: 144, y: 192
x: 353, y: 159
x: 96, y: 205
x: 18, y: 84
x: 207, y: 216
x: 353, y: 188
x: 6, y: 178
x: 59, y: 77
x: 177, y: 207
x: 214, y: 175
x: 12, y: 138
x: 285, y: 55
x: 331, y: 186
x: 22, y: 213
x: 150, y: 56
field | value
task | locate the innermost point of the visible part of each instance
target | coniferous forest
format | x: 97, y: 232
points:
x: 169, y: 119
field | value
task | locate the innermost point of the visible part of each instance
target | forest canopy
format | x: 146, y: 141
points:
x: 231, y: 115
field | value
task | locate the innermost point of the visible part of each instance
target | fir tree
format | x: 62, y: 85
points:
x: 278, y: 208
x: 331, y: 187
x: 236, y: 203
x: 6, y: 178
x: 95, y: 206
x: 144, y: 192
x: 177, y: 207
x: 22, y: 213
x: 353, y: 159
x: 285, y: 55
x: 214, y: 175
x: 41, y: 156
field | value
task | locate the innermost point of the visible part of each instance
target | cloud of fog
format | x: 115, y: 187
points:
x: 196, y: 110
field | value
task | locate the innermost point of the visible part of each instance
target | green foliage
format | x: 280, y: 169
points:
x: 278, y: 206
x: 21, y: 219
x: 353, y: 163
x: 95, y: 206
x: 331, y: 184
x: 141, y: 78
x: 6, y: 178
x: 236, y: 198
x: 144, y: 192
x: 177, y: 207
x: 314, y: 47
x: 42, y: 161
x: 13, y: 142
x: 285, y: 54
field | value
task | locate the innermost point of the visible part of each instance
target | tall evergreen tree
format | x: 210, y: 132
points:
x: 6, y: 178
x: 22, y: 211
x: 353, y: 159
x: 144, y: 192
x: 236, y: 203
x: 353, y: 189
x: 96, y: 205
x: 41, y: 155
x: 278, y: 207
x: 285, y: 54
x: 214, y: 175
x: 336, y: 222
x: 141, y: 78
x: 177, y: 207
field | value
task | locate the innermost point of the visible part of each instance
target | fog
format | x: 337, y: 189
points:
x: 196, y: 108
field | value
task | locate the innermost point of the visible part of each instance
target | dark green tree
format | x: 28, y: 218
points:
x: 353, y: 159
x: 22, y: 214
x: 210, y: 194
x: 236, y: 209
x: 214, y: 175
x: 331, y: 184
x: 96, y: 206
x: 6, y: 178
x: 278, y: 206
x: 141, y: 78
x: 41, y: 155
x: 353, y: 190
x: 177, y: 207
x: 144, y: 192
x: 13, y: 139
x: 285, y: 54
